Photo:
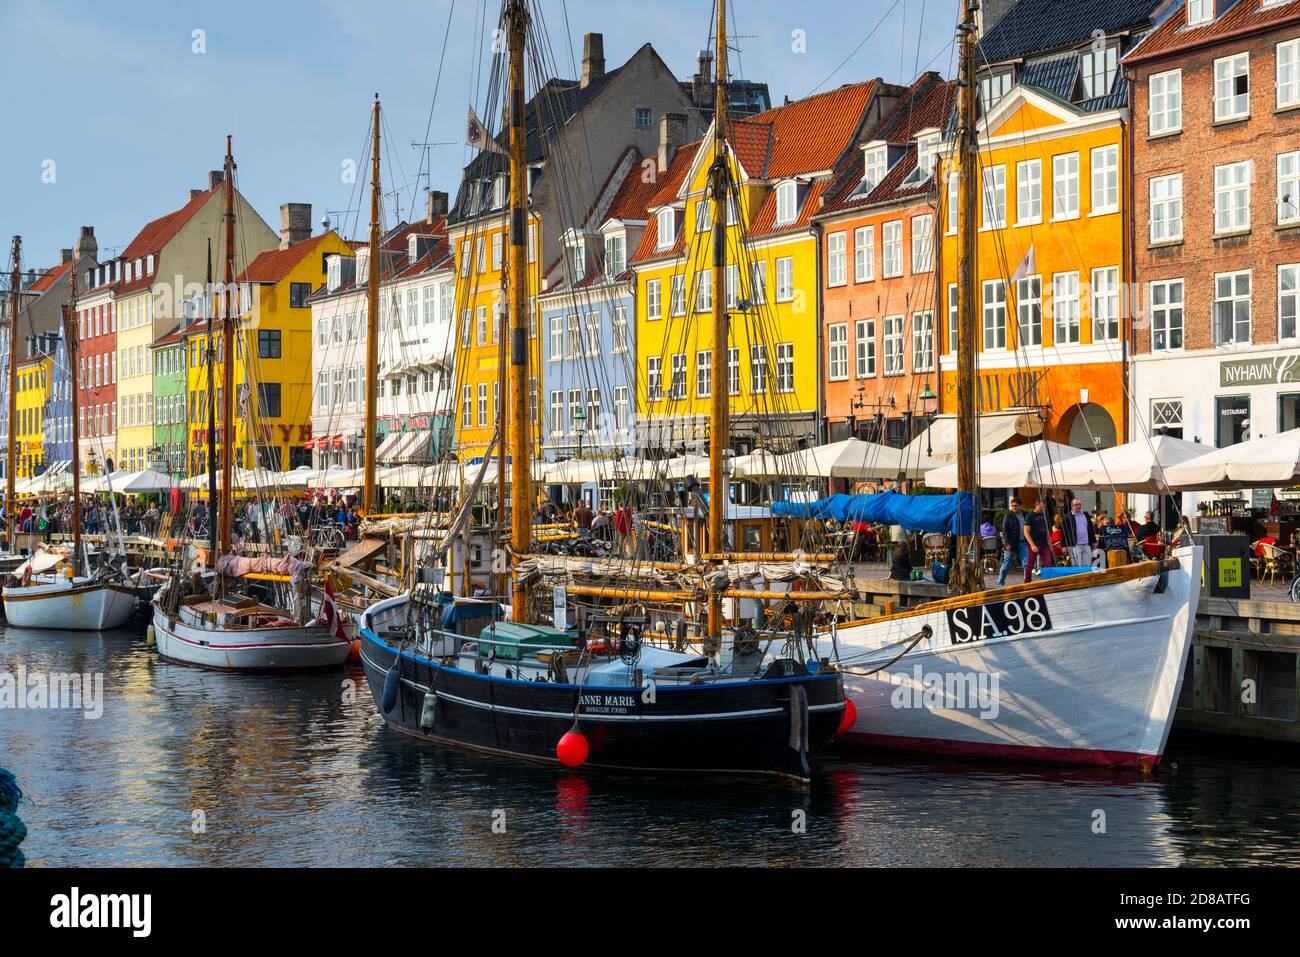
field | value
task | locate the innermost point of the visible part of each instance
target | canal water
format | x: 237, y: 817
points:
x: 188, y: 767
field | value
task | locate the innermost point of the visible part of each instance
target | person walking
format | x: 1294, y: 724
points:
x: 1013, y: 540
x: 1038, y: 539
x: 1079, y: 535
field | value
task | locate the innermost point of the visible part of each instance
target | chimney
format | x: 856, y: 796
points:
x: 86, y: 244
x: 702, y: 85
x: 215, y: 177
x: 437, y: 205
x: 295, y: 223
x: 192, y: 194
x: 593, y: 58
x: 990, y: 12
x: 672, y: 134
x: 65, y: 256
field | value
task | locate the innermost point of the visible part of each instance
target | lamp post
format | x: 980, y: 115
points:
x: 927, y: 397
x: 580, y: 428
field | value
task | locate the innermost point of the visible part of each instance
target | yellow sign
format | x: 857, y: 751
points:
x: 1229, y: 572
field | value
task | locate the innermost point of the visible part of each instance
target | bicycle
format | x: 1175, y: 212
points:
x: 328, y: 537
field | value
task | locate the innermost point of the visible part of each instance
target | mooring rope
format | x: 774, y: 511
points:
x: 12, y: 829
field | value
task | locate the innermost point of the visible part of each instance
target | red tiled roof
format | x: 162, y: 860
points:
x: 1246, y: 17
x: 764, y: 223
x: 158, y: 233
x: 168, y: 338
x: 47, y: 280
x: 669, y: 185
x: 632, y: 200
x: 805, y: 136
x: 272, y: 265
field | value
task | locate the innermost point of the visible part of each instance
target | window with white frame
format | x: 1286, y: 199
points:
x: 1288, y: 74
x: 836, y: 259
x: 654, y: 378
x: 758, y: 283
x: 619, y: 330
x: 787, y: 196
x: 891, y: 236
x: 1288, y: 188
x: 993, y: 87
x: 1105, y: 304
x: 482, y: 404
x: 1167, y: 414
x: 1029, y: 311
x: 1105, y: 179
x: 667, y: 232
x: 678, y: 304
x: 703, y: 216
x: 864, y: 254
x: 1065, y: 308
x: 893, y: 340
x: 654, y: 305
x: 954, y: 182
x: 1167, y: 208
x: 950, y: 347
x: 621, y: 410
x: 1065, y: 186
x: 1288, y: 300
x: 785, y: 367
x: 591, y: 330
x: 875, y: 165
x: 1232, y: 308
x: 615, y: 255
x: 577, y: 414
x: 1199, y: 11
x: 678, y: 383
x: 466, y: 405
x: 922, y: 243
x: 704, y: 373
x: 995, y: 197
x: 865, y: 347
x: 785, y: 279
x: 923, y: 341
x: 557, y: 337
x: 995, y: 314
x: 704, y: 291
x: 732, y: 279
x: 1098, y: 66
x: 1232, y: 197
x: 1232, y: 87
x: 557, y: 412
x: 733, y: 371
x: 574, y: 328
x: 1029, y: 192
x: 757, y: 370
x: 1166, y: 315
x: 1165, y: 102
x: 837, y: 347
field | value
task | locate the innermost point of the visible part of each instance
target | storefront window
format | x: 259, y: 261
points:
x: 1232, y: 420
x: 1288, y: 412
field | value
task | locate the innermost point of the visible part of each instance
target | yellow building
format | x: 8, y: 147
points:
x: 135, y: 334
x: 273, y: 392
x: 781, y: 162
x: 480, y: 248
x: 1053, y: 197
x: 33, y: 393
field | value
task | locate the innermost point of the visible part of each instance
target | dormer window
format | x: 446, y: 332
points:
x: 148, y: 269
x: 412, y: 248
x: 1098, y: 66
x: 498, y: 191
x: 575, y: 255
x: 993, y: 87
x: 874, y: 167
x: 667, y: 228
x: 615, y: 255
x: 928, y: 143
x: 787, y: 203
x: 139, y: 268
x: 333, y: 272
x: 1199, y: 11
x: 363, y: 266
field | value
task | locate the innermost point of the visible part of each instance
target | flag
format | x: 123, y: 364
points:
x: 1026, y: 267
x: 476, y: 135
x: 330, y: 612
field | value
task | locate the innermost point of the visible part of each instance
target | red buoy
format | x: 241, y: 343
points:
x: 850, y: 716
x: 572, y: 749
x: 354, y: 653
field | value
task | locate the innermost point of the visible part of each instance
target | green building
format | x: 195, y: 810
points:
x: 169, y: 412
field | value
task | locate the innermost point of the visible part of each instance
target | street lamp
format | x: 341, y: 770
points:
x: 580, y: 426
x: 927, y: 397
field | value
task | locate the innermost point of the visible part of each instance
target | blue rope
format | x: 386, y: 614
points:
x: 12, y: 829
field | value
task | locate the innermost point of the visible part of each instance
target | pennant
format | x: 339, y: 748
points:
x: 1026, y: 267
x: 476, y: 135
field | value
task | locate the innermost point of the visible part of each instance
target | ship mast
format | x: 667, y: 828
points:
x: 967, y: 576
x: 521, y: 453
x: 719, y: 180
x: 70, y: 350
x: 211, y: 350
x: 372, y: 324
x: 15, y: 292
x: 230, y: 302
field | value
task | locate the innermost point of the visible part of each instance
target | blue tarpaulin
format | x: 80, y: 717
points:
x: 916, y: 513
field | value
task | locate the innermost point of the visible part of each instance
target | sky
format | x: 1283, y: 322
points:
x: 114, y: 111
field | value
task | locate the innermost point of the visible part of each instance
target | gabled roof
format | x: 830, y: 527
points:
x: 162, y: 230
x: 1242, y: 19
x: 1042, y: 26
x: 670, y: 183
x: 396, y: 241
x: 272, y: 265
x: 48, y: 279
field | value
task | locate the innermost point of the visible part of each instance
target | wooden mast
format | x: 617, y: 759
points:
x: 521, y: 453
x: 372, y: 324
x: 15, y: 294
x: 210, y: 348
x: 71, y: 349
x: 967, y: 575
x: 229, y: 298
x: 719, y: 179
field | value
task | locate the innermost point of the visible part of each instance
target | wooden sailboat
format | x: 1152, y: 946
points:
x: 53, y: 589
x: 446, y: 670
x: 1084, y: 669
x: 221, y: 624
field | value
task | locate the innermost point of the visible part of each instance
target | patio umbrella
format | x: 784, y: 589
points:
x: 1269, y: 461
x: 1140, y: 466
x: 855, y: 459
x: 1035, y: 464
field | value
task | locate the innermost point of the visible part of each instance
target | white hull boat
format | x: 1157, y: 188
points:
x: 69, y: 604
x: 240, y: 638
x: 1084, y: 669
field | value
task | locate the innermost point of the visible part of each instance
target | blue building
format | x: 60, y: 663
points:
x: 58, y: 408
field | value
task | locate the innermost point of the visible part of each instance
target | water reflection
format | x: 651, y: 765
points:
x: 202, y: 768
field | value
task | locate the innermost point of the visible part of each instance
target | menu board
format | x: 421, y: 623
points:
x: 1212, y: 525
x: 1261, y: 498
x: 1113, y: 538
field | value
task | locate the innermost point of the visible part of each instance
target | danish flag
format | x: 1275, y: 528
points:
x: 330, y: 612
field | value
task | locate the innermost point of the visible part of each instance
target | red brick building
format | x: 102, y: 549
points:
x: 1216, y: 225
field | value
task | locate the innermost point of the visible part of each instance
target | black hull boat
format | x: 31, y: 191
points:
x: 670, y: 713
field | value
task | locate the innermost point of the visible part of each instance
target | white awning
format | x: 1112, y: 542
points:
x: 1139, y: 466
x: 1036, y: 464
x: 994, y: 428
x: 1270, y: 461
x: 390, y: 444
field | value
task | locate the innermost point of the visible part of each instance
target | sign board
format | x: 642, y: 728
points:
x: 1261, y: 498
x: 1114, y: 538
x: 1274, y: 370
x: 560, y: 607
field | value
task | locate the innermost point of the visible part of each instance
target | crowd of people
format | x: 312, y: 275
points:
x: 1041, y: 537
